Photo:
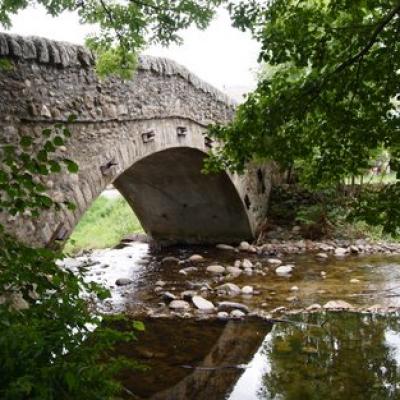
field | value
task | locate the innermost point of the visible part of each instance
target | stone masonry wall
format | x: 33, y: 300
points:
x: 117, y: 121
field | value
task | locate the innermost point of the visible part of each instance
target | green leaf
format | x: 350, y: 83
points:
x: 138, y: 326
x: 72, y: 166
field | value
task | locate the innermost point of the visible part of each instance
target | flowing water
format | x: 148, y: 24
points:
x: 323, y: 355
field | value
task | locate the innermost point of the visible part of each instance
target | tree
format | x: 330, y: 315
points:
x: 332, y: 96
x: 125, y: 27
x: 48, y: 349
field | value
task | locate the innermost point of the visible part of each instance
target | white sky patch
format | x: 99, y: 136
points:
x: 221, y: 55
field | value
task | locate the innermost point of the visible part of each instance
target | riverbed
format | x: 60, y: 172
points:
x: 329, y: 329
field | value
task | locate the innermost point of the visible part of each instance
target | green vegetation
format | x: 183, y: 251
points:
x: 48, y: 348
x: 126, y: 27
x: 104, y: 224
x: 329, y: 99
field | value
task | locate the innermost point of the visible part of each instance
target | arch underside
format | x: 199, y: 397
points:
x: 176, y: 203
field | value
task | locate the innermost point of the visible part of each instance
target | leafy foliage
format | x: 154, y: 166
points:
x: 53, y: 343
x: 125, y: 27
x: 331, y: 96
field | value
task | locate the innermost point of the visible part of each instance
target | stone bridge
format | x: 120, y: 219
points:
x: 146, y: 136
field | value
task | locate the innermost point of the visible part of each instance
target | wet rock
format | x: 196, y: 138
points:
x: 170, y: 261
x: 230, y: 305
x: 187, y: 270
x: 216, y: 269
x: 188, y: 294
x: 246, y: 263
x: 179, y: 305
x: 223, y: 316
x: 291, y: 298
x: 375, y: 308
x: 248, y: 271
x: 354, y: 280
x: 258, y: 265
x: 237, y: 264
x: 247, y: 290
x: 336, y: 305
x: 123, y: 281
x: 244, y: 246
x: 195, y: 258
x: 225, y: 247
x: 168, y: 297
x: 160, y: 283
x: 230, y: 289
x: 237, y: 314
x: 284, y: 270
x: 278, y: 310
x: 158, y: 289
x: 323, y: 274
x: 274, y: 262
x: 202, y: 304
x: 354, y: 249
x: 322, y: 256
x: 294, y: 289
x: 341, y: 251
x: 314, y: 307
x: 234, y: 271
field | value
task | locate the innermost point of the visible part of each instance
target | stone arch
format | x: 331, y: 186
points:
x: 176, y: 202
x: 119, y: 122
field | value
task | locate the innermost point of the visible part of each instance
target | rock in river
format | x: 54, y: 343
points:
x: 247, y: 290
x: 170, y: 261
x: 284, y: 270
x: 196, y: 258
x: 216, y: 269
x: 230, y: 288
x: 336, y: 305
x: 179, y: 305
x: 123, y: 281
x: 230, y: 305
x: 225, y: 247
x: 237, y: 314
x: 202, y: 304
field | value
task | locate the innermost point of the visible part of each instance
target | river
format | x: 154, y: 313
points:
x: 320, y: 354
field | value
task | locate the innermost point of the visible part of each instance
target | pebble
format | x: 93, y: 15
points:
x: 225, y: 247
x: 354, y: 280
x: 314, y: 307
x: 196, y: 258
x: 322, y: 256
x: 123, y: 281
x: 246, y: 263
x: 275, y: 262
x: 202, y: 304
x: 337, y: 305
x: 230, y: 288
x: 179, y: 305
x: 294, y: 289
x: 247, y: 290
x: 216, y: 269
x: 223, y: 316
x: 237, y: 314
x: 340, y: 252
x: 244, y: 246
x: 169, y: 260
x: 168, y: 297
x: 230, y: 305
x: 284, y: 270
x: 160, y: 283
x: 187, y: 270
x: 234, y: 271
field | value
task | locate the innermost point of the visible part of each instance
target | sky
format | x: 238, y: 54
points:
x: 221, y: 55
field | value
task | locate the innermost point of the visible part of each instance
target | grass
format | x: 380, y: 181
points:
x: 103, y: 225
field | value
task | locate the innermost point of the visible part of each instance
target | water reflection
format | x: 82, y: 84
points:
x: 353, y: 356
